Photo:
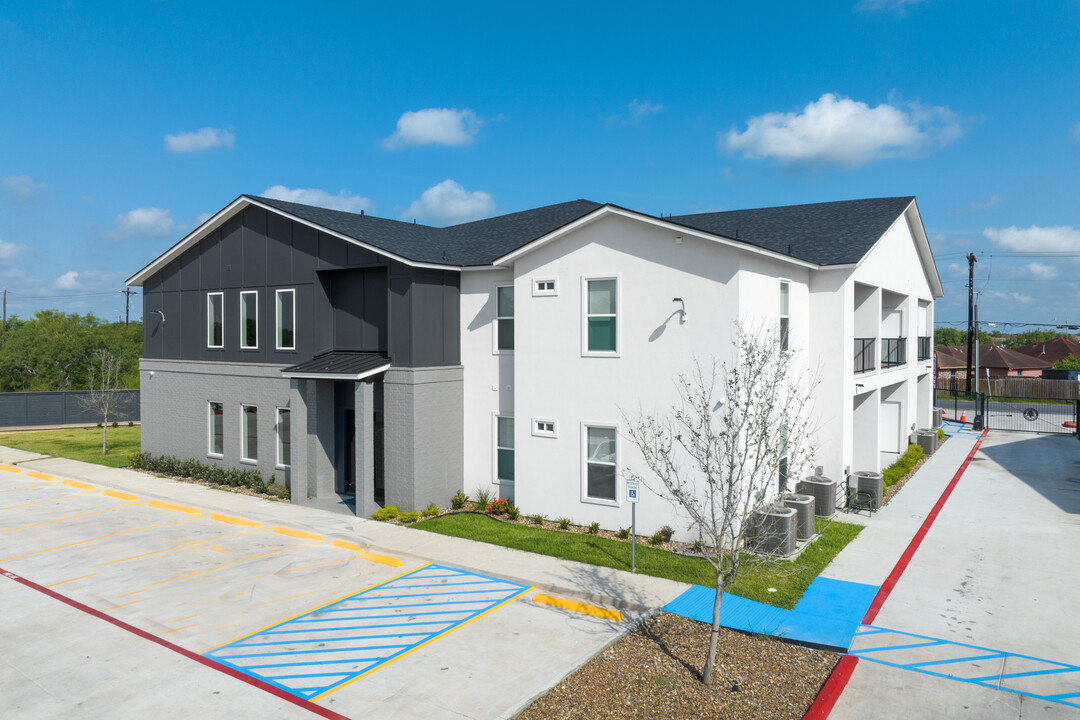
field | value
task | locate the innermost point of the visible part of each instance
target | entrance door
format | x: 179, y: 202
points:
x: 889, y: 424
x: 350, y: 452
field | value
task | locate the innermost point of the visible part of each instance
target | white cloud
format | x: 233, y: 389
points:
x: 1042, y: 270
x: 87, y: 280
x: 1063, y: 238
x: 897, y: 6
x: 344, y: 200
x: 9, y: 251
x: 204, y: 139
x: 68, y: 281
x: 840, y: 131
x: 146, y: 221
x: 21, y: 188
x: 448, y: 203
x: 435, y: 126
x: 1011, y: 296
x: 977, y: 205
x: 637, y: 111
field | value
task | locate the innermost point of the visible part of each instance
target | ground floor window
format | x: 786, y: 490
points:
x: 601, y: 463
x: 216, y: 433
x: 284, y: 446
x: 249, y: 432
x: 504, y: 449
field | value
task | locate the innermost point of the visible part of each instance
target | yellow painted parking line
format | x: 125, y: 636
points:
x: 186, y: 617
x: 71, y: 580
x: 120, y: 495
x: 576, y: 606
x: 79, y: 485
x: 89, y: 540
x: 38, y: 502
x: 427, y: 642
x: 24, y: 487
x: 298, y: 534
x: 10, y: 469
x: 175, y: 629
x: 188, y: 545
x: 305, y: 612
x: 349, y: 546
x: 71, y: 517
x: 40, y: 476
x: 178, y: 508
x: 235, y: 520
x: 110, y: 609
x: 381, y: 559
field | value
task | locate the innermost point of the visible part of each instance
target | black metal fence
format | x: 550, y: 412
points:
x: 31, y: 409
x: 1019, y: 404
x: 893, y: 352
x: 864, y: 354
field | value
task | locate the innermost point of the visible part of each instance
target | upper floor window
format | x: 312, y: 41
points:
x: 286, y: 319
x: 215, y: 320
x: 504, y: 317
x: 249, y: 319
x: 785, y: 320
x: 601, y: 317
x: 545, y: 286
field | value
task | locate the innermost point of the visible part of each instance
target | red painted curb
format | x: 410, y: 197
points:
x: 831, y: 690
x: 232, y: 672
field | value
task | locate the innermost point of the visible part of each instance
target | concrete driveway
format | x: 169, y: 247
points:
x: 988, y: 599
x: 127, y: 595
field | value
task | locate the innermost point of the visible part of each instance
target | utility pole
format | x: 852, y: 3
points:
x: 5, y: 311
x: 971, y: 318
x: 127, y: 304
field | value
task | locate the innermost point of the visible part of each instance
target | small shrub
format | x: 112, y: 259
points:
x: 624, y: 533
x: 513, y: 513
x: 458, y: 501
x: 940, y: 434
x: 483, y: 499
x: 902, y: 467
x: 564, y: 523
x: 386, y: 514
x: 594, y: 528
x: 100, y: 425
x: 499, y: 506
x: 115, y: 424
x: 537, y: 519
x: 657, y: 538
x: 409, y: 517
x: 698, y: 546
x: 131, y: 423
x: 135, y: 460
x: 175, y: 467
x: 432, y: 510
x: 278, y: 490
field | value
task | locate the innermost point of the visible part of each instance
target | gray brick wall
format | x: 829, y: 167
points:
x: 175, y: 409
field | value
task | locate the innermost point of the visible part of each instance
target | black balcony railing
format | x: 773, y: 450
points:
x: 893, y: 352
x: 864, y: 354
x: 924, y: 348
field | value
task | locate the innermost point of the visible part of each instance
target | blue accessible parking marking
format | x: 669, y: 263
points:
x: 1022, y: 674
x: 315, y: 653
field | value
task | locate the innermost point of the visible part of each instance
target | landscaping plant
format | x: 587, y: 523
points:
x: 432, y: 510
x: 409, y: 517
x: 458, y: 501
x: 386, y: 514
x: 483, y: 499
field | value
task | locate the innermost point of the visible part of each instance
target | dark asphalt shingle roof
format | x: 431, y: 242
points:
x: 830, y: 233
x: 822, y: 233
x: 340, y: 362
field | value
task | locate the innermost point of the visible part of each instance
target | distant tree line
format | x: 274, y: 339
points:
x: 950, y: 337
x: 56, y: 351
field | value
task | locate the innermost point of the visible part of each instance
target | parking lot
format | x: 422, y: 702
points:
x: 224, y: 610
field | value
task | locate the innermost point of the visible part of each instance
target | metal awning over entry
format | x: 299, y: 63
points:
x: 339, y: 365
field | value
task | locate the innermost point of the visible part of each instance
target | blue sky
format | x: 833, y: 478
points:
x: 125, y: 124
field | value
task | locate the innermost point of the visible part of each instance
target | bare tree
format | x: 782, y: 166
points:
x: 104, y: 381
x: 725, y: 449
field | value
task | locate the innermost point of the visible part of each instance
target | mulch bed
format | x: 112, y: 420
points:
x: 655, y: 672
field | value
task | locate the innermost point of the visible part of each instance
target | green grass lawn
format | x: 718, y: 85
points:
x: 79, y: 443
x: 789, y: 578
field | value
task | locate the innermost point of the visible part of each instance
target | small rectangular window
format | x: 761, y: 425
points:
x: 215, y: 320
x: 249, y: 432
x: 504, y: 317
x: 545, y: 286
x: 543, y: 427
x: 601, y: 463
x: 249, y: 319
x: 286, y: 319
x: 216, y: 429
x: 504, y: 449
x: 785, y: 291
x: 601, y: 315
x: 284, y: 445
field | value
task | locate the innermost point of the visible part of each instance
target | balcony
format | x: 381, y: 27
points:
x: 864, y: 354
x: 924, y: 348
x: 893, y: 352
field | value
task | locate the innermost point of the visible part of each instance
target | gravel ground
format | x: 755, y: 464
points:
x: 655, y: 671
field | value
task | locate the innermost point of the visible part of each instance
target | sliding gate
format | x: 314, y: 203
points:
x: 1031, y: 405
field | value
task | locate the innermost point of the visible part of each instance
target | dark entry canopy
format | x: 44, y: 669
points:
x: 340, y: 365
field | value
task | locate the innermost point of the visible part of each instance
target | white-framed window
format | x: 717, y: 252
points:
x: 600, y: 471
x: 504, y: 449
x: 544, y: 427
x: 545, y: 286
x: 284, y: 438
x: 504, y: 318
x: 249, y: 319
x: 215, y: 429
x: 249, y: 433
x: 601, y: 321
x: 785, y: 319
x: 215, y: 320
x: 285, y: 301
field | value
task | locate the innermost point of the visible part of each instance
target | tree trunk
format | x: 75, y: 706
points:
x: 710, y: 661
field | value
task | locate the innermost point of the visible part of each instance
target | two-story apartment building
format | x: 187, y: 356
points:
x: 347, y: 354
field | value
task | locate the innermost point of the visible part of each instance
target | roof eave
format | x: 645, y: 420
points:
x: 336, y: 376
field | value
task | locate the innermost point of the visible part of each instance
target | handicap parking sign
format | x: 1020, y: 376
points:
x: 632, y: 491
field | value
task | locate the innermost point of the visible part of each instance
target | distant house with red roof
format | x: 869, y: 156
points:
x: 1052, y: 351
x: 1001, y: 362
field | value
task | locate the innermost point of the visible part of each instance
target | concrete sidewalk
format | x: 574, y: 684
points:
x: 604, y: 586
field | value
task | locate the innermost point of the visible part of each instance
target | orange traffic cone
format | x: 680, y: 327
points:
x: 963, y: 416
